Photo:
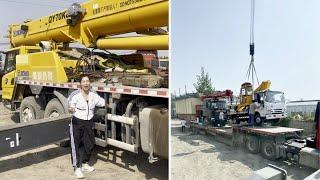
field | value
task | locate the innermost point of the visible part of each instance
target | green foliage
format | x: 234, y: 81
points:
x: 283, y: 122
x: 203, y: 85
x: 302, y: 116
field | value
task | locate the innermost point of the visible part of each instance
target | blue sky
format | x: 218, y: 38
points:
x: 215, y: 34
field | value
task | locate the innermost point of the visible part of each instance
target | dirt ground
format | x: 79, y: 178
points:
x: 53, y: 162
x: 195, y: 156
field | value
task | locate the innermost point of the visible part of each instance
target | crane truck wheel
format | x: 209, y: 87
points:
x: 268, y: 149
x: 235, y: 120
x: 252, y: 144
x: 257, y: 120
x: 30, y: 109
x: 54, y: 109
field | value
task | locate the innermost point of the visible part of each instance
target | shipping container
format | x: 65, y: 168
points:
x: 186, y: 108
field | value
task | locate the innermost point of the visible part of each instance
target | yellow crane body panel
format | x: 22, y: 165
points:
x: 265, y: 85
x: 44, y: 66
x: 8, y: 83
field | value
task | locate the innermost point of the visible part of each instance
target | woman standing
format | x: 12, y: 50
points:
x: 81, y: 104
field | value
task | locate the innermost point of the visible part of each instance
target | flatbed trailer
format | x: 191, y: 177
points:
x: 271, y: 141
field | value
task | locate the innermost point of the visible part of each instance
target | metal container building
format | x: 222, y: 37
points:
x: 186, y: 107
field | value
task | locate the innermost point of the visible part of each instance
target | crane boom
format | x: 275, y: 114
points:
x: 90, y: 21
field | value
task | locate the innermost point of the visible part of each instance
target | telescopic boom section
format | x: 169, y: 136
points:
x: 93, y: 20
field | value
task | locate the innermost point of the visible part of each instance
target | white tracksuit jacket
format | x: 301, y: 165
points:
x: 84, y: 110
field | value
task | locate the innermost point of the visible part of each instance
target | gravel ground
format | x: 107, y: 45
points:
x: 53, y: 162
x: 7, y: 117
x: 200, y: 157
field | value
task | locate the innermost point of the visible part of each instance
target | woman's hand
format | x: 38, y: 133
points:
x: 71, y: 109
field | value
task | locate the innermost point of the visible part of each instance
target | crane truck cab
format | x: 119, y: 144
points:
x: 215, y: 111
x: 215, y: 108
x: 272, y: 104
x: 9, y: 70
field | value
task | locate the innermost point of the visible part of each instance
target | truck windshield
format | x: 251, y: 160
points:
x: 11, y: 60
x: 218, y: 105
x: 274, y: 97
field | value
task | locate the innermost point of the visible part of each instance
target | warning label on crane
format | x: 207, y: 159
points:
x: 129, y: 2
x: 112, y: 7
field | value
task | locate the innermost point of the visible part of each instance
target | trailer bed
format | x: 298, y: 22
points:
x: 268, y: 130
x: 265, y: 130
x: 225, y: 131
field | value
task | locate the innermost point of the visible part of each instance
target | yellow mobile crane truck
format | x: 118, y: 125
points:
x: 272, y: 104
x: 41, y: 70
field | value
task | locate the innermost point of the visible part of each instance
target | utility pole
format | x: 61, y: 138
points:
x: 185, y: 89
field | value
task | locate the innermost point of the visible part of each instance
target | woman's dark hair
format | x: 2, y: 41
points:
x: 83, y: 76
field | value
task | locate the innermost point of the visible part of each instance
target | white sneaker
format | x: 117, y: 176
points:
x: 86, y: 167
x: 78, y: 173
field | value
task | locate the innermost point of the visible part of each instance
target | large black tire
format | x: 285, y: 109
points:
x: 54, y: 109
x: 258, y: 120
x: 268, y: 149
x: 235, y: 120
x: 252, y: 144
x: 30, y: 109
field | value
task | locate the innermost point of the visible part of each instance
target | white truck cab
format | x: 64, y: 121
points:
x: 272, y: 105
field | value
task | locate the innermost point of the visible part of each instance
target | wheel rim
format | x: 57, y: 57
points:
x: 268, y: 150
x: 258, y: 120
x: 27, y: 115
x: 234, y: 120
x: 251, y: 145
x: 54, y: 114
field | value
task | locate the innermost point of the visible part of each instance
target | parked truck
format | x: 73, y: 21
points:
x: 41, y: 70
x: 272, y: 104
x: 215, y: 108
x: 273, y: 142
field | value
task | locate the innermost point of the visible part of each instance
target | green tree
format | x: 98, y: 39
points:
x: 203, y: 85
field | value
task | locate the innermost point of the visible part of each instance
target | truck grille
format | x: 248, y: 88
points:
x: 277, y: 111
